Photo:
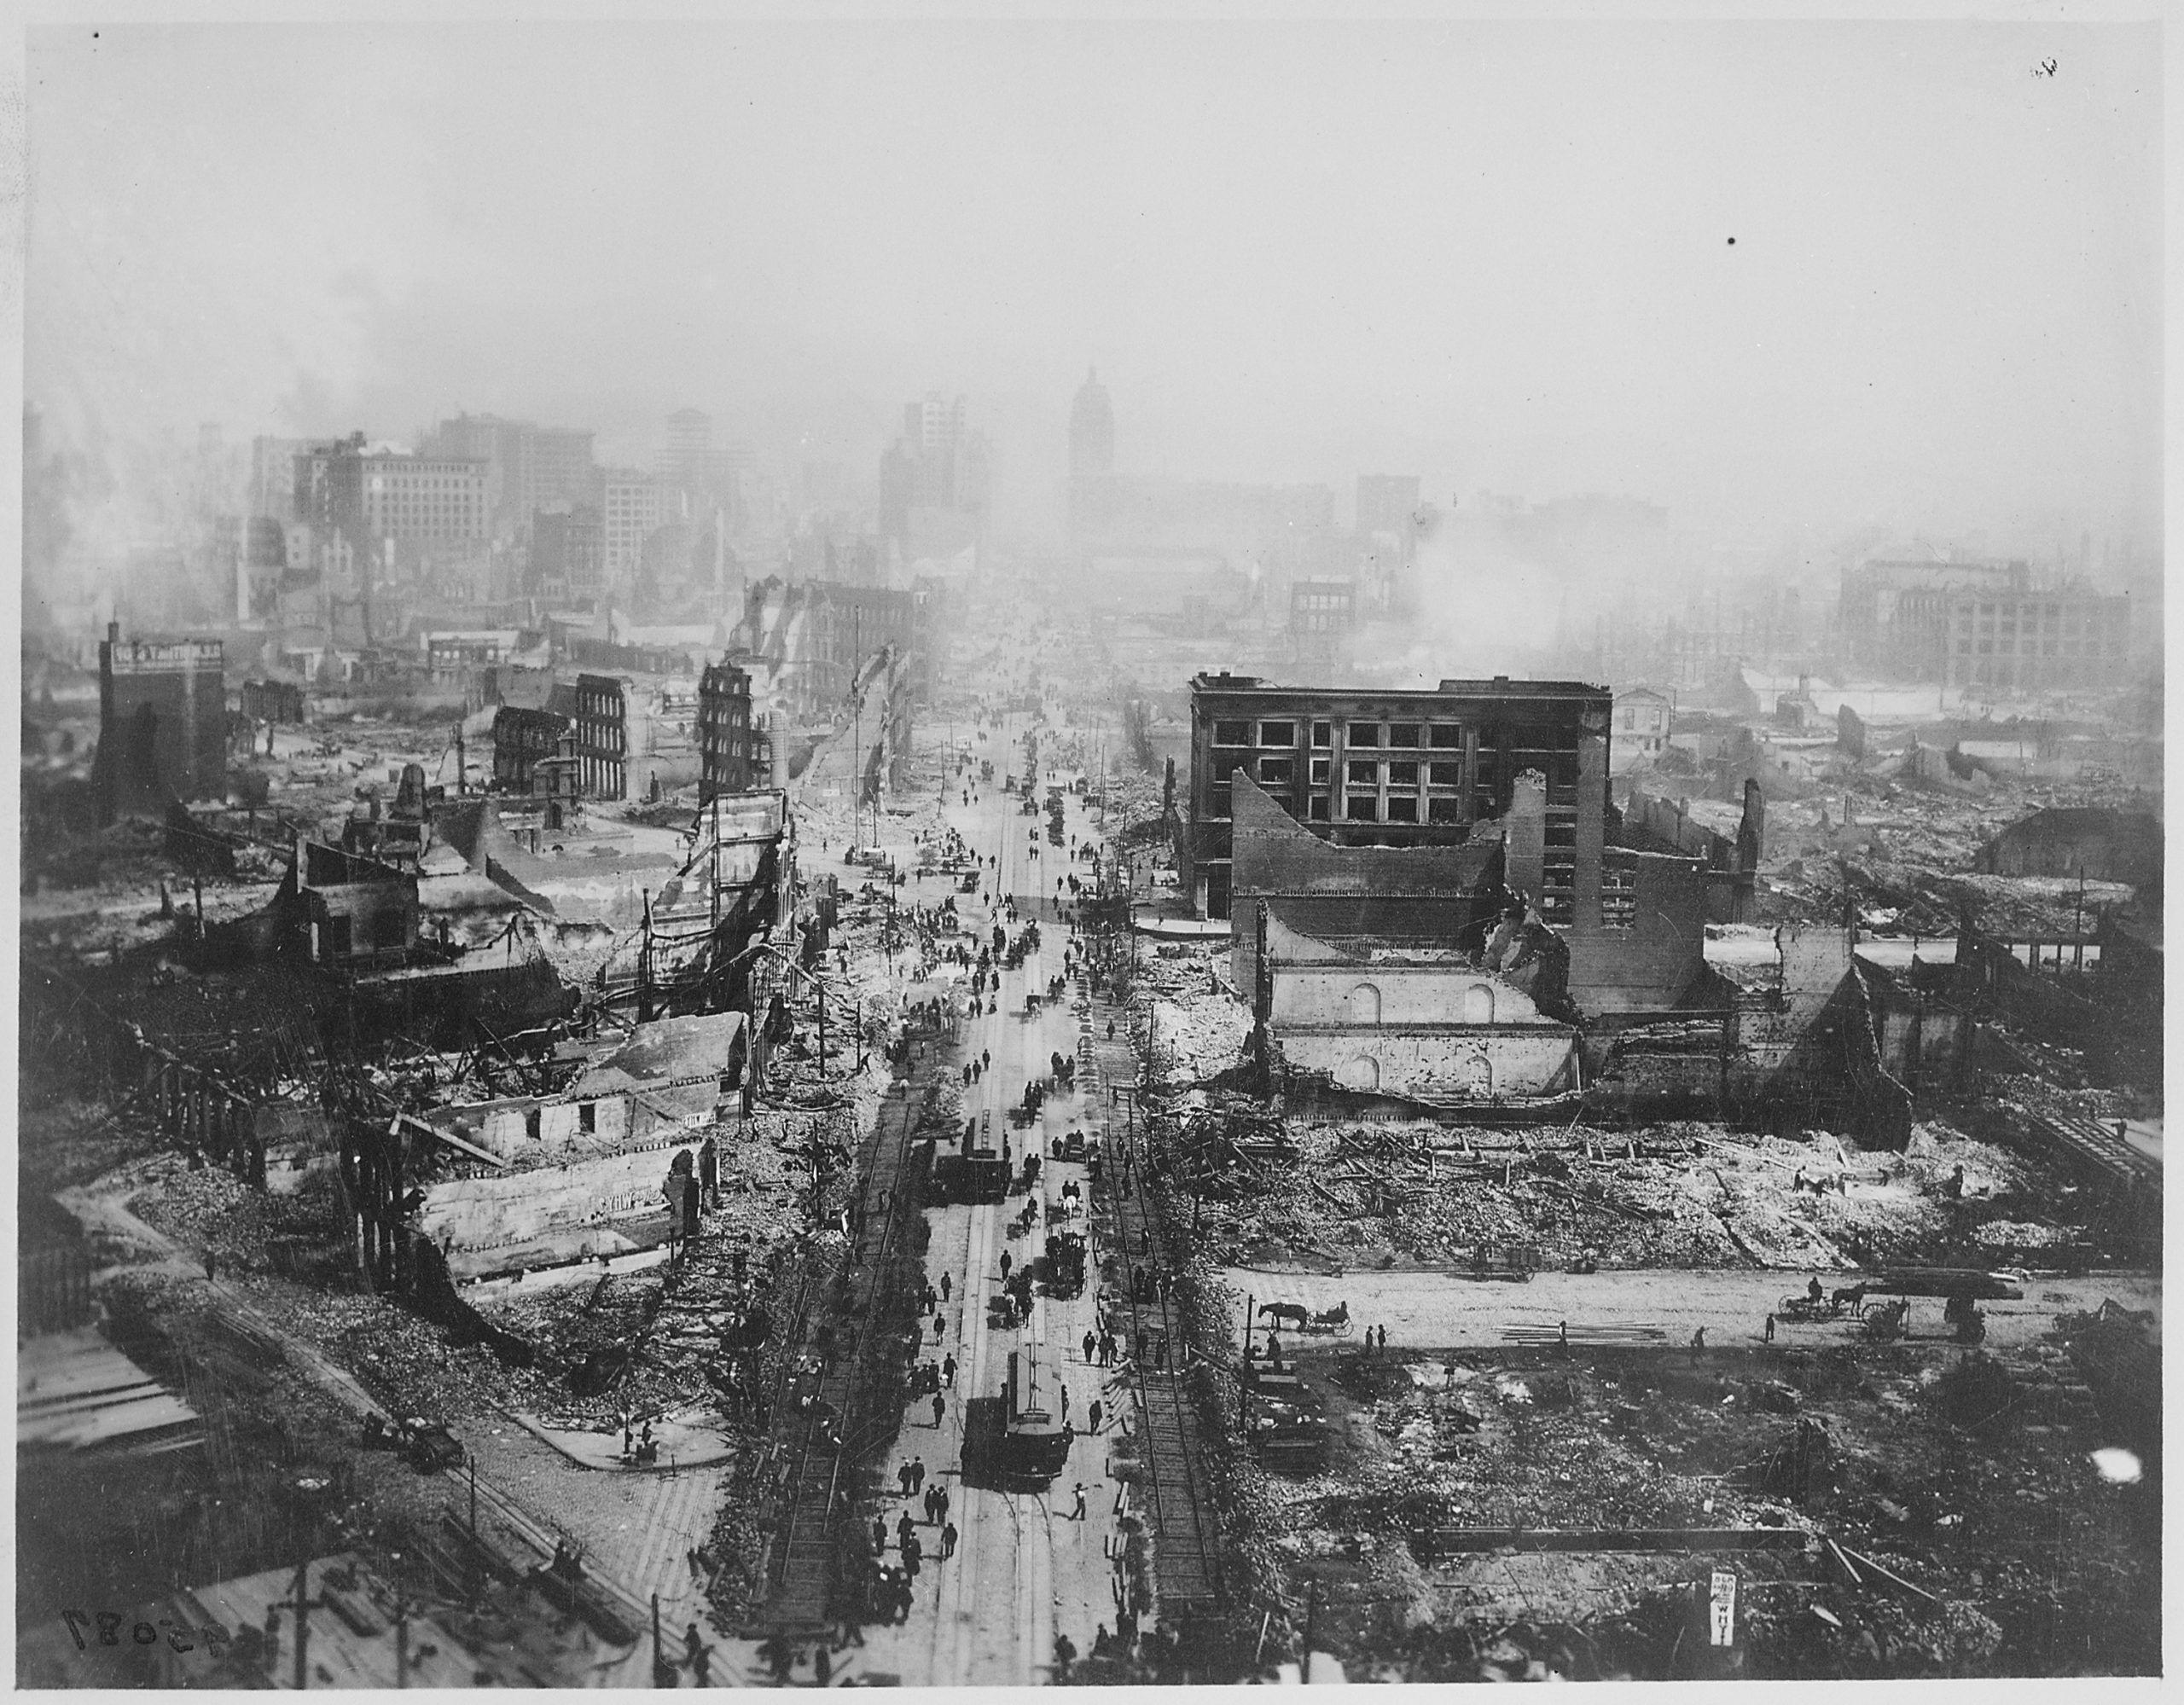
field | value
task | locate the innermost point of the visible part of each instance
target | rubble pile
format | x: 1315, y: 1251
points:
x: 1182, y: 1006
x: 1930, y: 1470
x: 299, y: 1234
x: 1685, y: 1197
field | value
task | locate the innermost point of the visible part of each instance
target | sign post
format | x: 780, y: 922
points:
x: 1722, y: 1611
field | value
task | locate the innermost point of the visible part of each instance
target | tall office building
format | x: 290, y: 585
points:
x: 632, y: 508
x: 936, y: 479
x: 561, y: 466
x: 528, y: 468
x: 273, y: 477
x: 686, y: 460
x: 568, y: 554
x: 1091, y: 430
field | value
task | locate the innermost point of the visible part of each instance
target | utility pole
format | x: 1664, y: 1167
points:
x: 856, y: 712
x: 401, y: 1625
x: 300, y: 1604
x: 471, y: 1565
x: 1243, y: 1380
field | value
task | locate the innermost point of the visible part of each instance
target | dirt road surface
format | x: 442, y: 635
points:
x: 1435, y: 1310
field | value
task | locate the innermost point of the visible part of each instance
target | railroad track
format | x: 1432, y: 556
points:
x: 826, y: 1443
x: 1187, y: 1562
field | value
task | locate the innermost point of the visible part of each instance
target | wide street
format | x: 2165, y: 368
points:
x: 1025, y: 1567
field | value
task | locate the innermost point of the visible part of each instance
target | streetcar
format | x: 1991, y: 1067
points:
x: 1034, y: 1442
x: 981, y: 1175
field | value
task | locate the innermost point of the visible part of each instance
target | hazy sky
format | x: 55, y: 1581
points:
x: 1496, y: 255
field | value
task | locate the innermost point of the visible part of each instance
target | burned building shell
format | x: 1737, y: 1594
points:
x: 1401, y: 769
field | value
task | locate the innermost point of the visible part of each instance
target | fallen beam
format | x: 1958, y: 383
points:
x: 1860, y: 1559
x: 1461, y: 1539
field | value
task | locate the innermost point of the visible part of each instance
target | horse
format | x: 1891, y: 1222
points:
x: 1852, y: 1297
x: 1291, y: 1314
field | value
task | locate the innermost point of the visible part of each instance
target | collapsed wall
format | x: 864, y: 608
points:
x: 563, y: 1213
x: 1806, y: 1054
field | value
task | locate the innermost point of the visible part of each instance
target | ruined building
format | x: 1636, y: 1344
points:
x: 523, y: 738
x: 727, y: 744
x: 1731, y: 862
x: 1402, y: 769
x: 1460, y: 923
x: 600, y: 728
x: 811, y: 638
x: 2097, y: 844
x: 163, y: 722
x: 477, y: 1190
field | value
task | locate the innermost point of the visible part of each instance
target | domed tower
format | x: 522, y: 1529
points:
x: 1091, y: 431
x: 1091, y: 459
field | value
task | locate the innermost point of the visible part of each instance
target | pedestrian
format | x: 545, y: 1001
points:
x: 1091, y: 1343
x: 939, y: 1501
x: 1006, y: 1263
x: 879, y: 1536
x: 929, y: 1494
x: 917, y: 1474
x: 1564, y: 1332
x: 1094, y: 1412
x: 1770, y: 1329
x: 948, y: 1373
x: 903, y: 1476
x: 1111, y: 1029
x: 1698, y: 1339
x: 904, y: 1529
x: 948, y: 1541
x: 947, y: 1287
x: 939, y: 1409
x: 939, y: 1329
x: 1077, y: 1514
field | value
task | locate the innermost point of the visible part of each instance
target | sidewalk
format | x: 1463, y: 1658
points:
x: 693, y: 1443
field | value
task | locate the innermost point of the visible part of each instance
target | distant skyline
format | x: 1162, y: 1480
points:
x: 1498, y: 256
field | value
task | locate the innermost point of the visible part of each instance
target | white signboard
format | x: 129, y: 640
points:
x: 1723, y: 1616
